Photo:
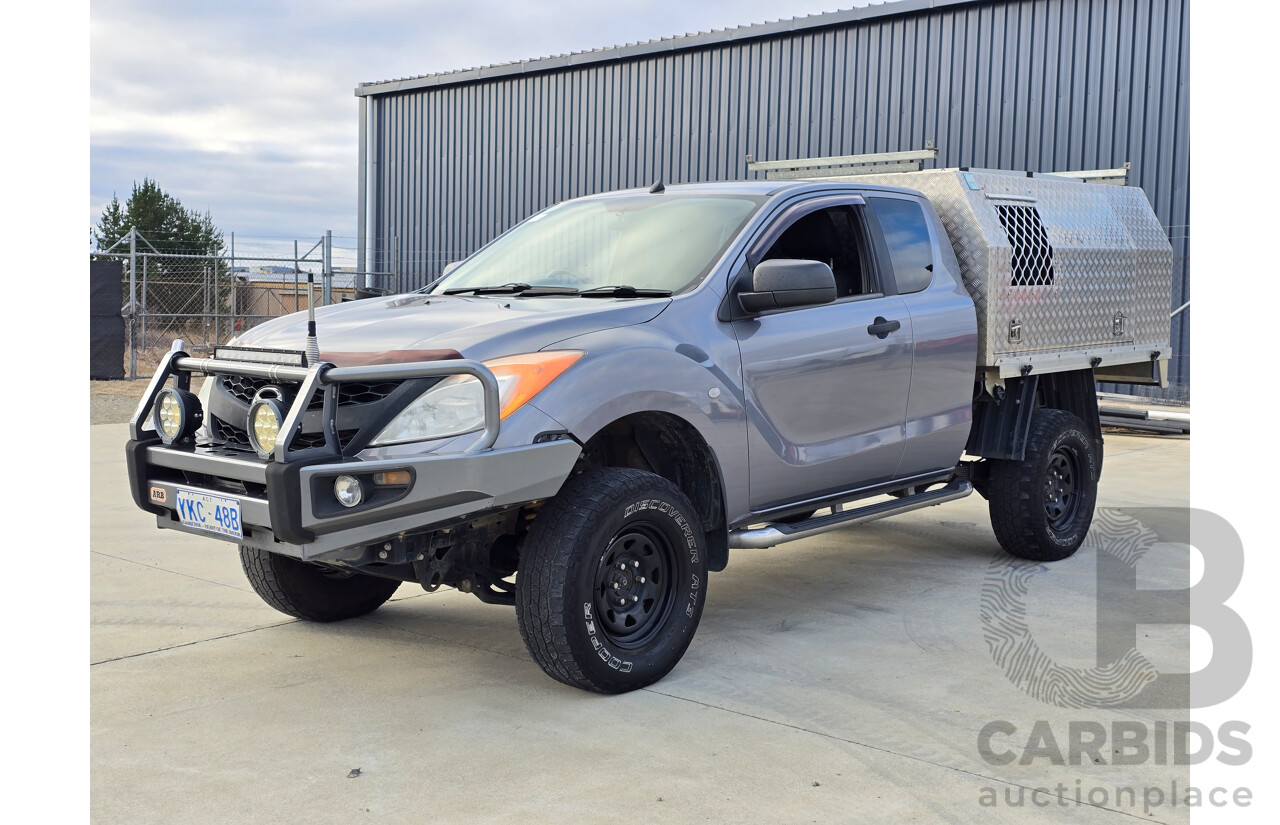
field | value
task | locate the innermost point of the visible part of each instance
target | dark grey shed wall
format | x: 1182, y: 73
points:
x: 1042, y: 85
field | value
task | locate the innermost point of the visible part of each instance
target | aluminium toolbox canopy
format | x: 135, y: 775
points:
x: 1064, y: 274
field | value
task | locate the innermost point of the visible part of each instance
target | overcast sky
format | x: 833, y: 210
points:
x: 246, y: 109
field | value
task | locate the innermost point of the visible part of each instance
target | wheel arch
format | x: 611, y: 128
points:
x: 670, y: 446
x: 1001, y: 424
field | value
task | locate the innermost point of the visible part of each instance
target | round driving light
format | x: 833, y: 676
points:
x: 265, y: 417
x: 176, y: 414
x: 347, y: 490
x: 169, y: 416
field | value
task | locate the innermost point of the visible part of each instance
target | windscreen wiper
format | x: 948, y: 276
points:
x: 623, y: 291
x: 513, y: 289
x: 534, y: 290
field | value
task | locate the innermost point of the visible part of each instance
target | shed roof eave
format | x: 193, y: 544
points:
x: 662, y: 45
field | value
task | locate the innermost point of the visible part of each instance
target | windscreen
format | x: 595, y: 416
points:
x: 665, y: 241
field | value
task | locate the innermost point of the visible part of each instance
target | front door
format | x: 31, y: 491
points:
x: 826, y: 386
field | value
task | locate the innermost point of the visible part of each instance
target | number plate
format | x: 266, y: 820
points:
x: 213, y: 514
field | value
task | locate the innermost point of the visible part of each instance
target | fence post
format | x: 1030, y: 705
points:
x: 217, y: 298
x: 133, y: 302
x: 395, y: 262
x: 205, y: 279
x: 326, y: 282
x: 231, y: 289
x: 145, y: 260
x: 295, y: 277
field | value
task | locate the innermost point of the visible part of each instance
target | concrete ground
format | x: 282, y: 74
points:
x: 845, y: 678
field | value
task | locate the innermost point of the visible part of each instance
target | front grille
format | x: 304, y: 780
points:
x: 358, y: 392
x: 306, y: 441
x: 243, y: 388
x: 232, y: 435
x: 351, y: 393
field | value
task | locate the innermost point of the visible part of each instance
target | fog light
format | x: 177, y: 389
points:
x: 347, y: 490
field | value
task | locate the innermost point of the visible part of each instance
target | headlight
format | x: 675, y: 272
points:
x: 455, y: 406
x: 452, y: 407
x: 176, y: 414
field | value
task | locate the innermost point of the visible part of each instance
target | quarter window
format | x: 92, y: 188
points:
x: 906, y: 233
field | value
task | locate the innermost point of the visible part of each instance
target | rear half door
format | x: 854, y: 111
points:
x: 944, y: 329
x: 826, y: 386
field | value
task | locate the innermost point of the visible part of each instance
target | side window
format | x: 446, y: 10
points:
x: 906, y: 233
x: 832, y: 236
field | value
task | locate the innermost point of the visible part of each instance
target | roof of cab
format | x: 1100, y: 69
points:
x: 757, y: 188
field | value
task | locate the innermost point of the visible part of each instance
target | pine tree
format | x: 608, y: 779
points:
x: 161, y: 219
x: 176, y: 283
x: 113, y: 224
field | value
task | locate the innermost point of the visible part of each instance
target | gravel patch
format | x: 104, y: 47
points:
x: 113, y: 402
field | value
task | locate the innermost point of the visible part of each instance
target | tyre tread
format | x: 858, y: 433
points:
x: 544, y: 566
x: 292, y: 588
x: 1013, y: 489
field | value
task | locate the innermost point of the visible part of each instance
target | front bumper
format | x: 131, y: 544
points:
x: 293, y: 518
x: 286, y: 502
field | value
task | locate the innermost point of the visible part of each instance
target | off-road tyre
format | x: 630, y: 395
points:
x: 309, y: 591
x: 612, y: 526
x: 1041, y: 507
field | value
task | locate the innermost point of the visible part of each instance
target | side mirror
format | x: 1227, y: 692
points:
x: 449, y: 267
x: 783, y: 283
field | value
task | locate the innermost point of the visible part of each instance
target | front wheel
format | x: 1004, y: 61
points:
x: 1041, y: 507
x: 309, y: 591
x: 613, y: 577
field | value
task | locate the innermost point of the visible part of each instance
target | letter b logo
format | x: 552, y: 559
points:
x: 1123, y: 676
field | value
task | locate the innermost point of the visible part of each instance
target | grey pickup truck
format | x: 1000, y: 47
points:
x: 586, y: 415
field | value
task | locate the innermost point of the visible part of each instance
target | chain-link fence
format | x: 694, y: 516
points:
x: 207, y: 299
x: 417, y: 269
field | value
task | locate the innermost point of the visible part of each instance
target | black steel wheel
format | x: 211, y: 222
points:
x: 1041, y: 507
x: 1062, y: 484
x: 635, y: 585
x: 612, y: 580
x: 310, y: 591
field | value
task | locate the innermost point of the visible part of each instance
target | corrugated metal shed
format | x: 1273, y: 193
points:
x: 450, y: 160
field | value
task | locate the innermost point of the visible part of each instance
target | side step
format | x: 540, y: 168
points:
x: 776, y: 534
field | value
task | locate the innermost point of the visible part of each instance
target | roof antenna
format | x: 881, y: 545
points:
x: 657, y: 188
x: 313, y: 346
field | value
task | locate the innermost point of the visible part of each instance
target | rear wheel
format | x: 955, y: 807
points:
x: 612, y: 580
x: 309, y: 591
x: 1041, y: 507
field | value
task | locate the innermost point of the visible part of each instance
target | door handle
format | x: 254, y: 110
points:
x: 881, y: 328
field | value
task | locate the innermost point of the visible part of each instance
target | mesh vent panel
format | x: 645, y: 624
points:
x: 1032, y: 252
